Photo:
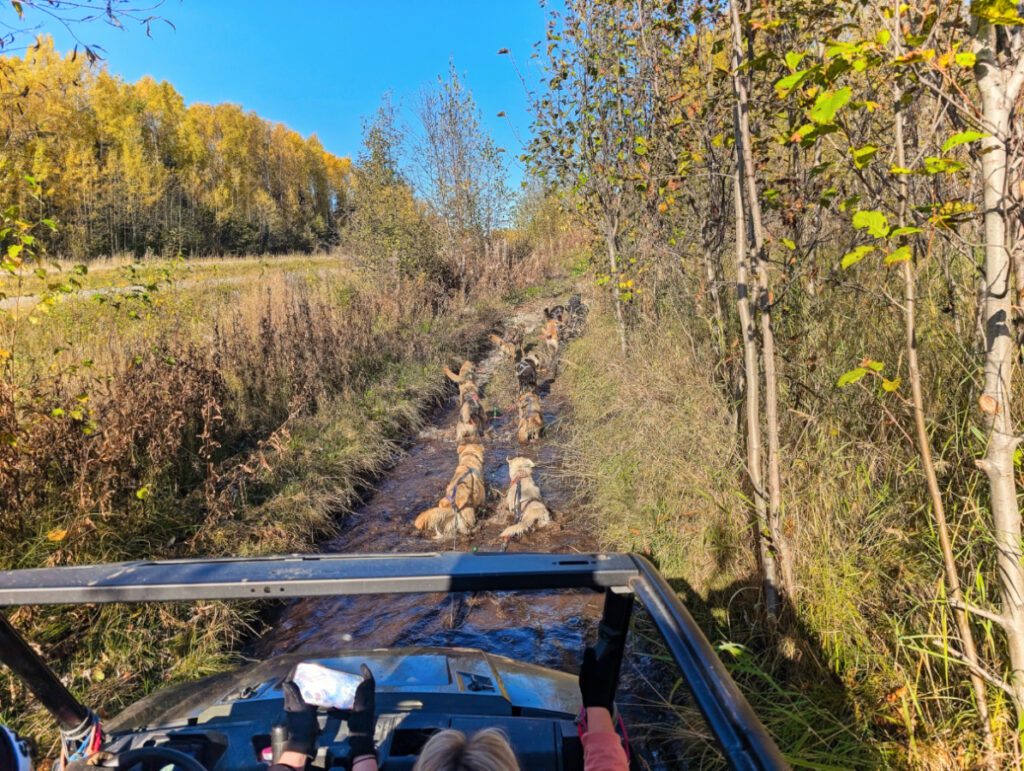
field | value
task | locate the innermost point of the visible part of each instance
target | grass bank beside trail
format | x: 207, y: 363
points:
x: 204, y: 418
x: 652, y: 445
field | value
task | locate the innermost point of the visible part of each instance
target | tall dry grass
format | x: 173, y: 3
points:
x: 866, y: 676
x: 203, y: 419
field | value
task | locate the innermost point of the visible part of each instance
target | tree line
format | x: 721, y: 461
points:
x: 112, y: 167
x: 129, y: 168
x: 767, y: 163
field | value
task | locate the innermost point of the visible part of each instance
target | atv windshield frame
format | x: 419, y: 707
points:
x: 743, y: 740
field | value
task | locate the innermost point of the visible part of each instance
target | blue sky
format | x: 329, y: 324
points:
x: 320, y: 66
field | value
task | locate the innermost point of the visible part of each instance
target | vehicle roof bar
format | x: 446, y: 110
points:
x: 313, y: 575
x: 39, y: 678
x: 744, y: 741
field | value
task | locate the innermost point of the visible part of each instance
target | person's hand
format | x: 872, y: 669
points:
x: 596, y: 687
x: 362, y: 719
x: 301, y: 721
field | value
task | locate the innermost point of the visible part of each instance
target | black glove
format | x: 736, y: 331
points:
x: 301, y: 721
x: 362, y: 719
x: 596, y: 686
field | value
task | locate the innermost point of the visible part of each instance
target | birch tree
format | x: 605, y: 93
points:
x: 999, y: 70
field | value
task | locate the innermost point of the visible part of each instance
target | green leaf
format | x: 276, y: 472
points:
x: 890, y: 385
x: 900, y: 170
x: 1000, y: 13
x: 802, y: 132
x: 908, y: 230
x: 902, y: 254
x: 793, y: 60
x: 788, y: 243
x: 784, y: 86
x: 875, y: 366
x: 935, y: 165
x: 828, y: 104
x: 143, y: 493
x: 851, y: 377
x: 963, y: 138
x: 872, y: 221
x: 862, y: 156
x: 966, y: 59
x: 855, y: 256
x: 882, y: 37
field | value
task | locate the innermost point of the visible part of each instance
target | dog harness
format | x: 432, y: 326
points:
x: 455, y: 488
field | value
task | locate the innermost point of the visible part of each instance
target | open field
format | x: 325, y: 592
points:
x: 22, y: 291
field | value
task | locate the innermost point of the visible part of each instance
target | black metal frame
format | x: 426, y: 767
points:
x: 743, y: 740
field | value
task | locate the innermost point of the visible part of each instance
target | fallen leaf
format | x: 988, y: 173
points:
x: 988, y: 404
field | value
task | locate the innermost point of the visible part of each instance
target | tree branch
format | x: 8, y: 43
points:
x: 990, y: 615
x: 988, y: 677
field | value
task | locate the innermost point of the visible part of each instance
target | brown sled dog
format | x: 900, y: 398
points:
x: 511, y: 343
x: 466, y: 379
x: 507, y: 348
x: 551, y: 331
x: 523, y: 500
x: 531, y: 418
x: 472, y: 420
x: 456, y: 512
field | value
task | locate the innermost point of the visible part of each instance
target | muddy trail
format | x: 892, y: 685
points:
x: 545, y: 627
x: 548, y: 628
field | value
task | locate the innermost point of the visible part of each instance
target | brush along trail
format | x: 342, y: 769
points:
x: 548, y: 628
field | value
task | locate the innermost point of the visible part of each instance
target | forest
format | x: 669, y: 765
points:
x: 815, y: 209
x: 127, y: 168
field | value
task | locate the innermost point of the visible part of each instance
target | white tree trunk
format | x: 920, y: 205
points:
x: 613, y: 264
x: 752, y: 403
x: 776, y: 547
x: 999, y: 86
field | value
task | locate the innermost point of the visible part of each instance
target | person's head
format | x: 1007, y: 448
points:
x: 450, y: 750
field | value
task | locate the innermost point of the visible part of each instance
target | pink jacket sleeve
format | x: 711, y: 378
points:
x: 602, y: 751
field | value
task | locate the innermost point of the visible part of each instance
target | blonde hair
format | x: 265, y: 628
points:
x: 450, y: 750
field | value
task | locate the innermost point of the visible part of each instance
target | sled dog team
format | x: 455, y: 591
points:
x: 466, y: 493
